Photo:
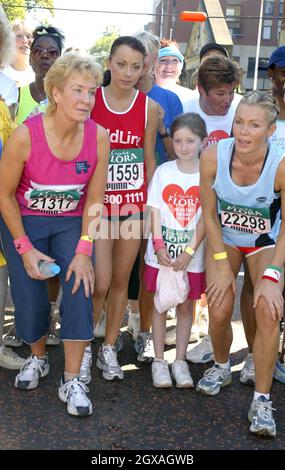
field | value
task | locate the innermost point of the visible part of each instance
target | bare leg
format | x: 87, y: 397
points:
x: 73, y: 353
x: 247, y: 310
x: 158, y: 333
x: 184, y: 322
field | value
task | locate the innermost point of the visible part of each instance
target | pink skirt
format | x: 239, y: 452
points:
x: 197, y: 282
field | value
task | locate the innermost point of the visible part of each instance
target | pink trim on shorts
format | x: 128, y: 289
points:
x: 197, y: 282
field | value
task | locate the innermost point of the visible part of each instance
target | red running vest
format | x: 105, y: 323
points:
x: 126, y: 190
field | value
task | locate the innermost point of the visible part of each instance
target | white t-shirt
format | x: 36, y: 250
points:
x: 278, y: 137
x: 177, y: 195
x: 218, y: 127
x: 8, y: 89
x: 183, y: 93
x: 21, y: 77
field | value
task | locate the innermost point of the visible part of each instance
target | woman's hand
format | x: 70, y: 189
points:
x: 82, y: 267
x: 31, y: 261
x: 224, y: 279
x: 272, y: 295
x: 182, y: 261
x: 163, y: 257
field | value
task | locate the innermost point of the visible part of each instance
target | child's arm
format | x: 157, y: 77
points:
x: 159, y: 247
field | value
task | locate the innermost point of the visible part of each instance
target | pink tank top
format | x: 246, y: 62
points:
x: 53, y: 187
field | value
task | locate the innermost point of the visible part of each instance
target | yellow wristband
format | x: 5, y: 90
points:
x: 220, y: 256
x: 190, y: 251
x: 87, y: 238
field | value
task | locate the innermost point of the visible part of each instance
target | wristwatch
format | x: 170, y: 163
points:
x: 164, y: 135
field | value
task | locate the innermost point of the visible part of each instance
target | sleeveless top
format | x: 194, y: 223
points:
x: 126, y: 190
x: 26, y: 104
x: 250, y: 215
x: 50, y: 186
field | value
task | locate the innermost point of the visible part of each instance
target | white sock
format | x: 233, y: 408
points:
x: 88, y: 348
x: 226, y: 365
x: 256, y: 395
x: 69, y: 376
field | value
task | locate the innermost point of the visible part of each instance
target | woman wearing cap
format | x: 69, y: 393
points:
x: 276, y: 73
x: 168, y: 70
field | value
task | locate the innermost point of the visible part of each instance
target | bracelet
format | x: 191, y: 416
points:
x: 84, y: 247
x: 23, y: 245
x: 220, y: 256
x: 87, y: 238
x: 272, y: 274
x: 272, y: 266
x: 190, y: 251
x: 158, y: 244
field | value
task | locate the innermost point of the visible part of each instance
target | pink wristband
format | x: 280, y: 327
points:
x: 84, y: 247
x: 158, y: 244
x: 23, y: 245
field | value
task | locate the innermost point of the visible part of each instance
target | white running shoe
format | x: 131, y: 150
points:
x: 100, y: 328
x: 247, y: 374
x: 10, y: 360
x: 85, y: 368
x: 202, y: 353
x: 134, y: 325
x: 107, y: 361
x: 73, y: 393
x: 31, y: 372
x: 161, y: 377
x: 181, y: 374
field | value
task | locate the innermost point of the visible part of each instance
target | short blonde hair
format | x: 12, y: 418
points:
x: 7, y: 40
x: 149, y: 40
x: 265, y: 101
x: 63, y: 67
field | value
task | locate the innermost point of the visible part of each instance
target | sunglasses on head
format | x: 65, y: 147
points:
x: 51, y: 52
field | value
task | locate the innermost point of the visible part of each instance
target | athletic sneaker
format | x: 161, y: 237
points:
x: 202, y: 353
x: 118, y: 346
x: 31, y: 372
x: 170, y: 337
x: 108, y: 363
x: 100, y: 328
x: 144, y: 347
x: 85, y: 368
x: 261, y: 418
x: 279, y: 373
x: 213, y: 379
x: 247, y: 374
x: 10, y: 360
x: 181, y: 374
x: 161, y: 377
x: 73, y: 393
x: 134, y: 325
x: 11, y: 338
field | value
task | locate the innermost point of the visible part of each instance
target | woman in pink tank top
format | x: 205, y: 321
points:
x: 53, y: 175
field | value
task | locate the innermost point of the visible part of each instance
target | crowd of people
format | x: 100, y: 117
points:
x: 147, y: 195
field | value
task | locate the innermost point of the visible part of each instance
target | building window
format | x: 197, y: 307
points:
x: 262, y: 67
x: 281, y: 6
x: 279, y: 23
x: 267, y: 29
x: 233, y: 20
x: 269, y: 8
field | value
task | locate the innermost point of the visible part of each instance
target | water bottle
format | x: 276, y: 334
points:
x: 48, y: 268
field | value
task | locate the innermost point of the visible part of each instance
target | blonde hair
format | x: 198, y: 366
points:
x: 265, y: 101
x: 7, y: 40
x: 63, y: 67
x: 21, y: 25
x: 149, y: 40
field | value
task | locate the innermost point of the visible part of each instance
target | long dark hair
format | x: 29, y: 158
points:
x: 130, y: 41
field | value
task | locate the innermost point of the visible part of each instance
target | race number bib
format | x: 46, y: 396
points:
x: 176, y: 240
x: 51, y: 201
x: 245, y: 219
x: 125, y: 170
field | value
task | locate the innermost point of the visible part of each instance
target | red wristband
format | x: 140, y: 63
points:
x: 158, y: 244
x: 269, y: 278
x: 84, y: 247
x: 23, y: 245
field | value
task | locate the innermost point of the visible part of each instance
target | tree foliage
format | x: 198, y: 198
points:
x: 102, y: 46
x: 14, y: 8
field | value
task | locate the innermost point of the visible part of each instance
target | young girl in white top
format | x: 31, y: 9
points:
x: 177, y: 232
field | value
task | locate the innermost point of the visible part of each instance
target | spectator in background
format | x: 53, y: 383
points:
x: 276, y: 73
x: 19, y: 69
x: 168, y: 70
x: 8, y: 88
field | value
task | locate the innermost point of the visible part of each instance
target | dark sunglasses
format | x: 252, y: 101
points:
x: 51, y: 52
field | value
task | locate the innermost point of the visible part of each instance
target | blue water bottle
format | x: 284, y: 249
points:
x: 48, y: 268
